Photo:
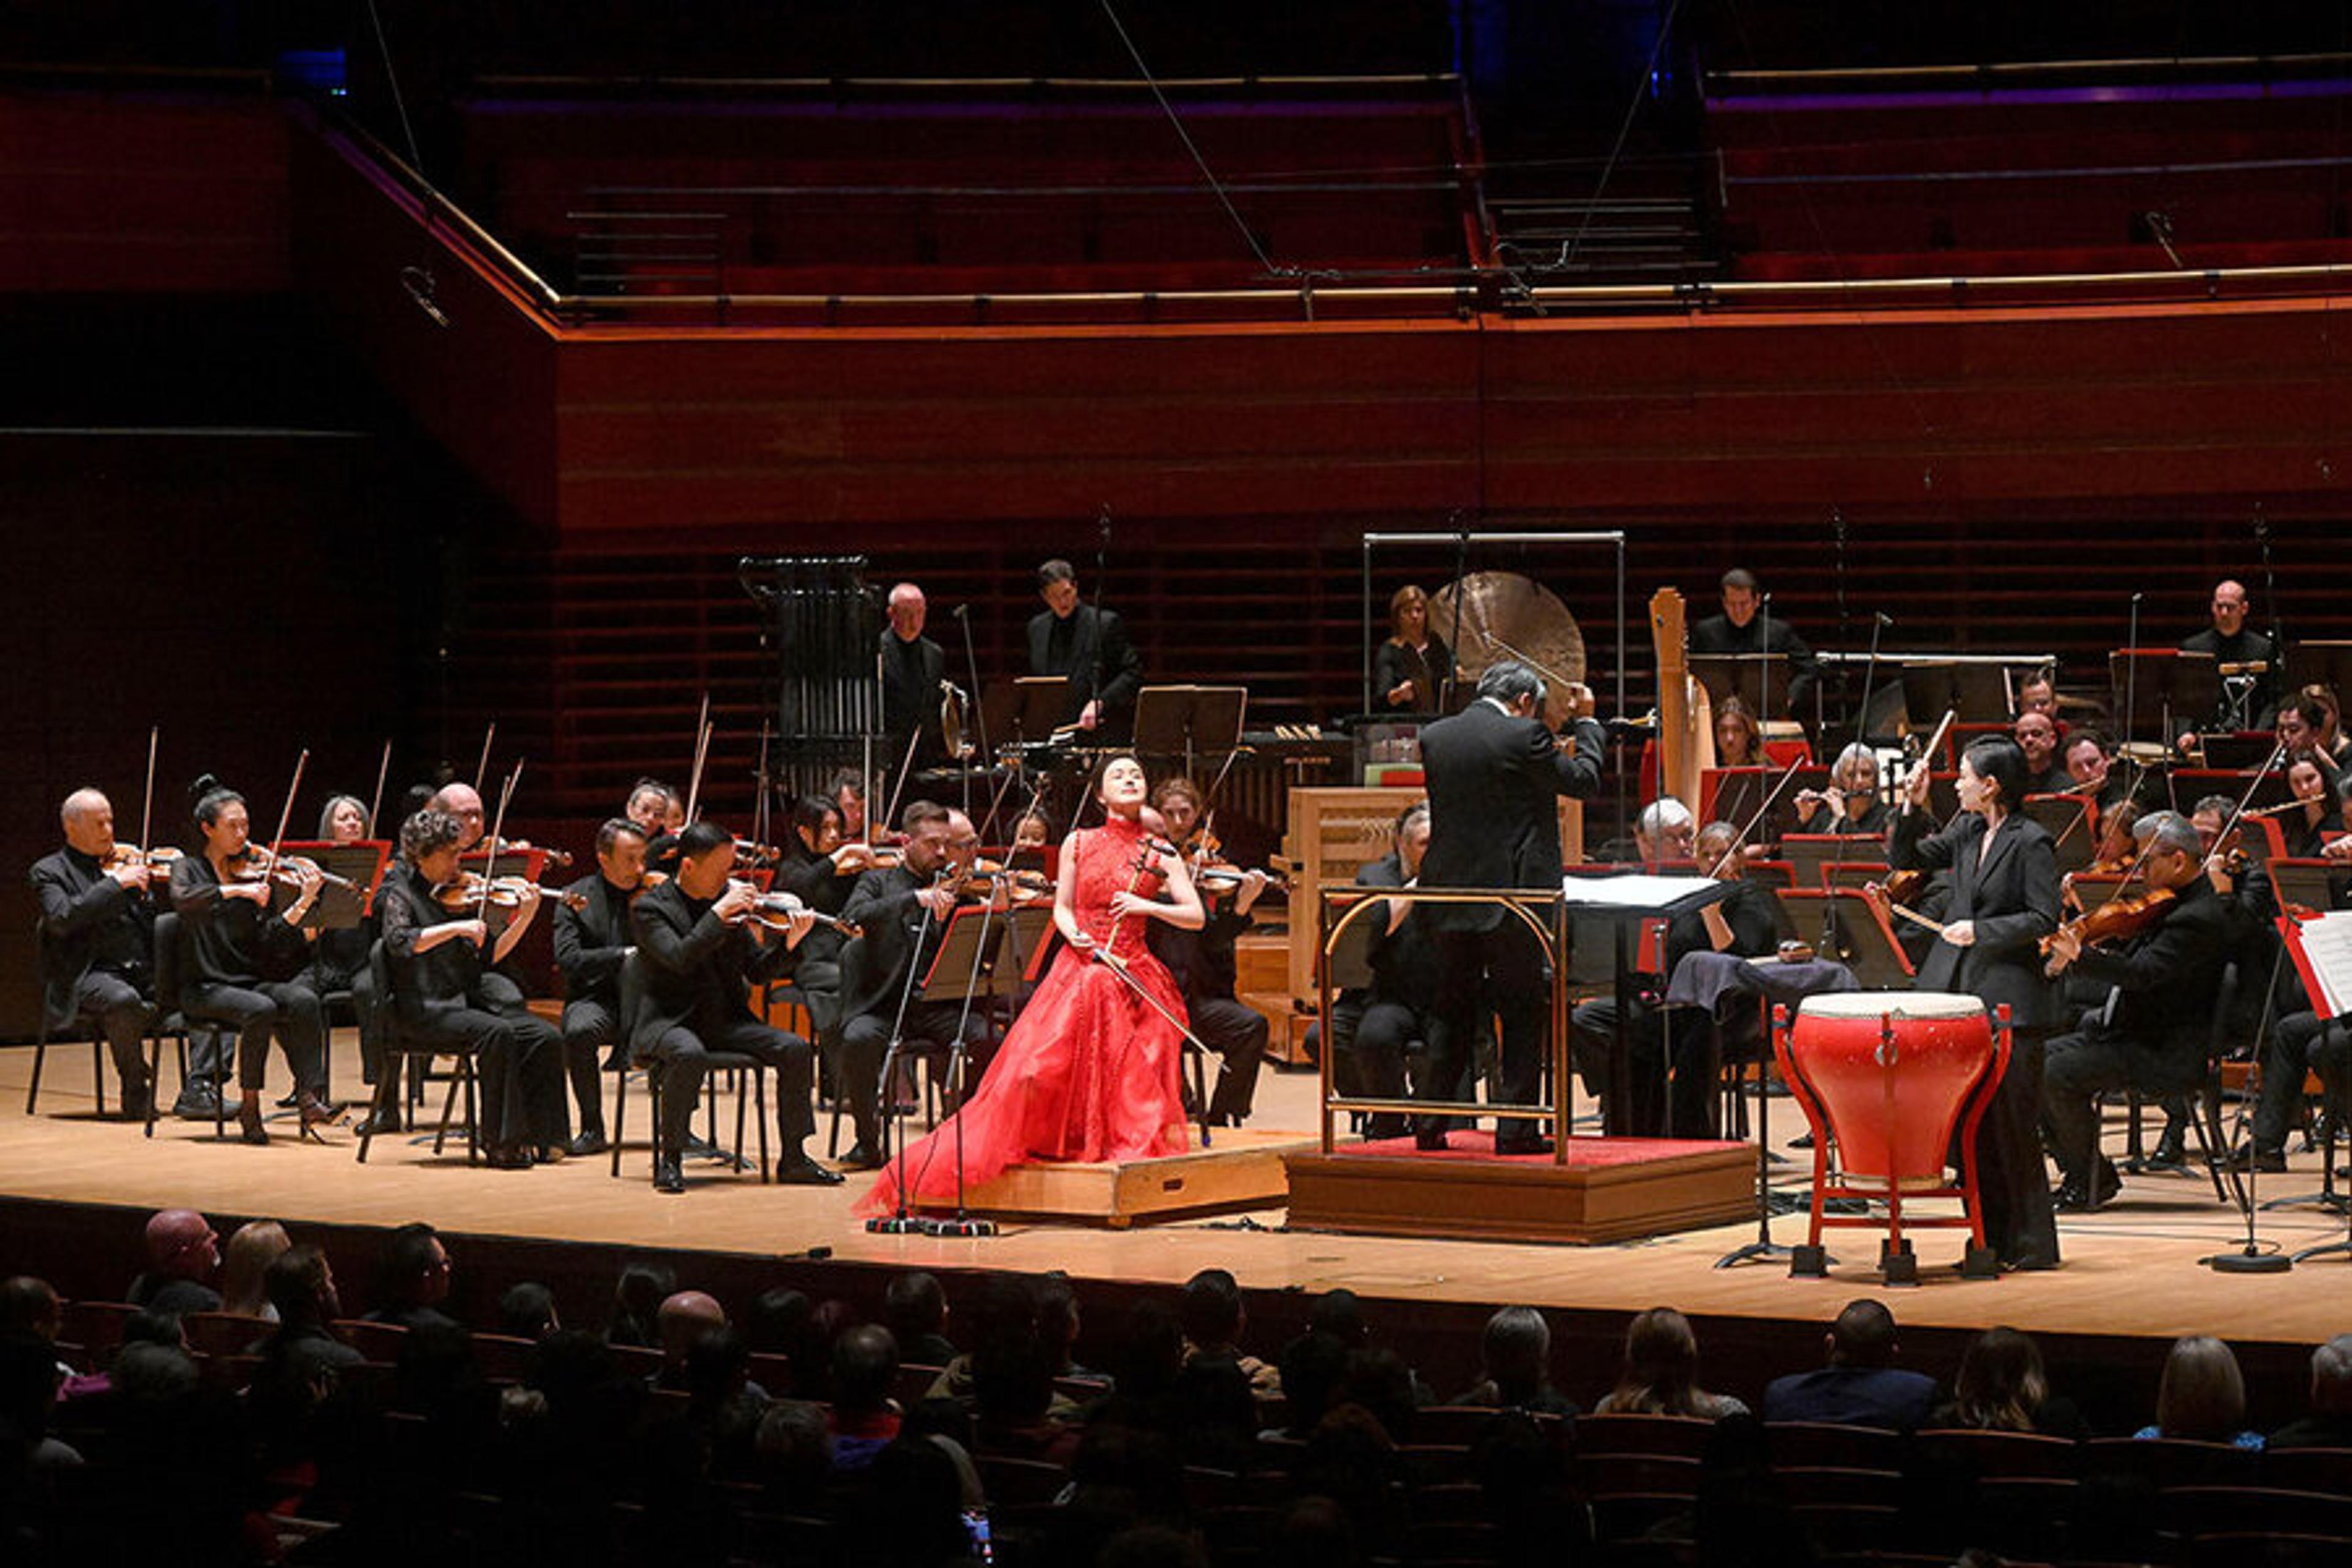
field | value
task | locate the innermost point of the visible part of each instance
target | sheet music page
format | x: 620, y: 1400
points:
x: 2327, y: 943
x: 1636, y: 891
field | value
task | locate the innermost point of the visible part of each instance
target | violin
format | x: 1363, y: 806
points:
x: 2117, y: 919
x: 1022, y: 880
x: 489, y: 846
x: 156, y: 861
x: 287, y: 868
x: 778, y: 909
x: 503, y: 892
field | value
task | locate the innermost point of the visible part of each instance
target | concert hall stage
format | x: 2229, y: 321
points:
x: 76, y: 1188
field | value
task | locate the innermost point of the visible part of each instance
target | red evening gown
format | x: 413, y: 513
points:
x: 1088, y: 1071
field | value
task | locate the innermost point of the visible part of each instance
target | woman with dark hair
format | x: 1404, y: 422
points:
x: 2004, y: 898
x: 1409, y: 670
x: 1660, y: 1376
x: 2004, y: 1387
x: 1738, y: 738
x: 233, y: 939
x: 821, y: 869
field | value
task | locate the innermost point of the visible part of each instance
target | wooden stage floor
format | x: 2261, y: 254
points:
x: 2131, y: 1270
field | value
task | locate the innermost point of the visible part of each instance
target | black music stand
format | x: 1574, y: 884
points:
x: 1626, y: 902
x: 1972, y: 693
x: 1186, y: 721
x: 2067, y: 819
x: 2163, y: 691
x: 2324, y: 662
x: 360, y: 864
x: 1759, y: 679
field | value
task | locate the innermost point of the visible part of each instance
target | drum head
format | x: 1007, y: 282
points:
x: 1901, y: 1003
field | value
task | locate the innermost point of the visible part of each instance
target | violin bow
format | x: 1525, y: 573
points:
x: 490, y: 858
x: 147, y: 804
x: 1750, y: 826
x: 701, y: 753
x: 382, y: 771
x: 285, y: 814
x: 482, y: 766
x: 760, y: 811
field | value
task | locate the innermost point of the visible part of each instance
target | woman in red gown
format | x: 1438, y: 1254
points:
x: 1090, y: 1070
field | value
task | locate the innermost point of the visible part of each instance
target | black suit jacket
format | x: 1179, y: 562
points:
x: 84, y: 912
x: 695, y: 967
x: 2165, y: 979
x: 1404, y: 964
x: 2249, y: 647
x: 2012, y: 898
x: 591, y: 942
x: 910, y: 698
x: 883, y: 906
x: 1493, y: 778
x: 1102, y: 663
x: 1717, y: 635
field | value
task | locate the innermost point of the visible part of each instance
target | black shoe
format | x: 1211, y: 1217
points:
x: 667, y: 1177
x: 1429, y: 1139
x: 1385, y: 1126
x: 861, y: 1158
x: 797, y: 1170
x: 2085, y: 1197
x: 382, y: 1125
x: 703, y: 1149
x: 1801, y: 1140
x: 291, y: 1101
x: 202, y: 1102
x: 137, y: 1099
x: 2268, y: 1162
x: 507, y: 1159
x: 2171, y: 1153
x: 586, y: 1144
x: 1522, y: 1144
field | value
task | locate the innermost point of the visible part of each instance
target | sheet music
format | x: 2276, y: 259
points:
x: 1636, y: 891
x: 2327, y: 952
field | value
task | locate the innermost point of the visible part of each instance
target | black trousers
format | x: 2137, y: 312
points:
x: 1371, y: 1059
x: 2012, y: 1180
x: 518, y: 1070
x: 2301, y: 1043
x: 865, y: 1040
x: 2093, y: 1059
x: 1671, y: 1055
x: 592, y: 1033
x: 816, y: 985
x: 283, y: 1008
x: 112, y: 1004
x: 1237, y: 1032
x: 682, y: 1056
x: 1499, y: 970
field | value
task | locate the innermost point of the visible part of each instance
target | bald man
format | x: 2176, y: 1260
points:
x: 914, y: 669
x: 183, y: 1255
x: 98, y: 943
x: 2250, y: 700
x: 462, y: 801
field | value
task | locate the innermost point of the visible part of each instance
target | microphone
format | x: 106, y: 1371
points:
x: 960, y: 611
x: 1881, y: 616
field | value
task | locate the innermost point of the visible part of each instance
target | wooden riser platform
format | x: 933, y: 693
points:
x: 1610, y: 1190
x: 1242, y: 1169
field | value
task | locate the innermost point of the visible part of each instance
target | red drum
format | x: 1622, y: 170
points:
x: 1891, y: 1072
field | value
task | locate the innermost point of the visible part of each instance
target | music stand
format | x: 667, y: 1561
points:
x: 1178, y: 721
x: 2323, y: 662
x: 360, y: 864
x: 1043, y: 701
x: 1974, y: 693
x: 2069, y: 821
x: 2163, y: 691
x: 1759, y: 679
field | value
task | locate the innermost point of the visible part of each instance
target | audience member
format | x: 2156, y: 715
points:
x: 2203, y: 1395
x: 252, y: 1248
x: 1661, y: 1372
x: 1214, y: 1320
x: 29, y: 1307
x: 183, y: 1254
x: 865, y: 1419
x: 1861, y: 1386
x: 302, y: 1362
x: 637, y: 1294
x: 526, y: 1312
x: 2329, y: 1425
x: 411, y: 1278
x: 683, y: 1317
x: 1313, y: 1367
x: 915, y: 1310
x: 1516, y: 1354
x: 2002, y: 1387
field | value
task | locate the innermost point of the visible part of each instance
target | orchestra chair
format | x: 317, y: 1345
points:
x: 80, y: 1028
x: 2204, y: 1096
x: 632, y: 988
x: 400, y: 1047
x: 171, y: 1022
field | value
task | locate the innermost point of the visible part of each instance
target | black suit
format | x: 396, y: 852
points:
x: 1493, y: 780
x: 97, y: 957
x: 590, y: 943
x: 911, y: 676
x: 2259, y: 708
x: 2011, y: 895
x: 1717, y: 635
x: 1089, y: 646
x: 899, y: 941
x: 1205, y: 969
x: 1394, y: 1013
x: 694, y: 968
x: 2151, y: 1035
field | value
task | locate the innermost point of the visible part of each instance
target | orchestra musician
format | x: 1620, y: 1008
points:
x: 338, y: 954
x: 1850, y: 806
x: 233, y: 939
x: 2089, y: 768
x: 1205, y: 963
x: 1372, y: 1030
x: 1670, y: 1051
x: 592, y: 941
x: 2151, y: 1005
x: 914, y: 672
x: 2248, y: 700
x: 1742, y: 629
x: 1088, y: 648
x: 2038, y: 693
x: 439, y: 950
x: 2315, y: 819
x: 902, y: 911
x: 1034, y: 833
x: 1495, y: 775
x: 1738, y: 739
x: 2036, y: 734
x: 821, y: 869
x: 648, y: 806
x: 847, y: 790
x: 2309, y: 719
x: 463, y: 804
x: 1412, y: 668
x: 700, y: 949
x: 2003, y: 899
x: 98, y: 939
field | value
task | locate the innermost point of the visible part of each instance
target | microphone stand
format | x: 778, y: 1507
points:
x: 1845, y: 631
x: 979, y: 709
x: 1879, y: 621
x: 2131, y: 675
x: 964, y: 1223
x: 1093, y: 617
x: 899, y: 1223
x: 2278, y: 621
x: 1445, y: 690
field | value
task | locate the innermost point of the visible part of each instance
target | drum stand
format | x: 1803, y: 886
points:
x: 1764, y: 1245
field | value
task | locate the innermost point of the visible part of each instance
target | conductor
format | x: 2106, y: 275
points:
x: 1494, y: 773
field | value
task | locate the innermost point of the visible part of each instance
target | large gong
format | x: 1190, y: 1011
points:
x: 1502, y: 616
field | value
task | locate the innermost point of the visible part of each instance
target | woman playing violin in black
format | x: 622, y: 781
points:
x: 233, y: 939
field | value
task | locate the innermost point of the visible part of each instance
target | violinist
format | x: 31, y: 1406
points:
x: 1850, y: 806
x: 2003, y: 899
x: 1203, y: 963
x: 2090, y: 766
x: 233, y: 938
x: 1671, y: 1087
x: 903, y: 911
x: 2036, y: 733
x: 1032, y: 835
x: 1411, y: 670
x: 847, y: 788
x: 648, y: 806
x: 2151, y: 998
x: 914, y: 669
x: 98, y: 941
x: 463, y: 804
x: 699, y: 950
x: 593, y: 940
x: 440, y: 958
x: 821, y: 869
x: 338, y: 955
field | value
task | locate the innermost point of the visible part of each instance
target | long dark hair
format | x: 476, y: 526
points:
x: 207, y: 795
